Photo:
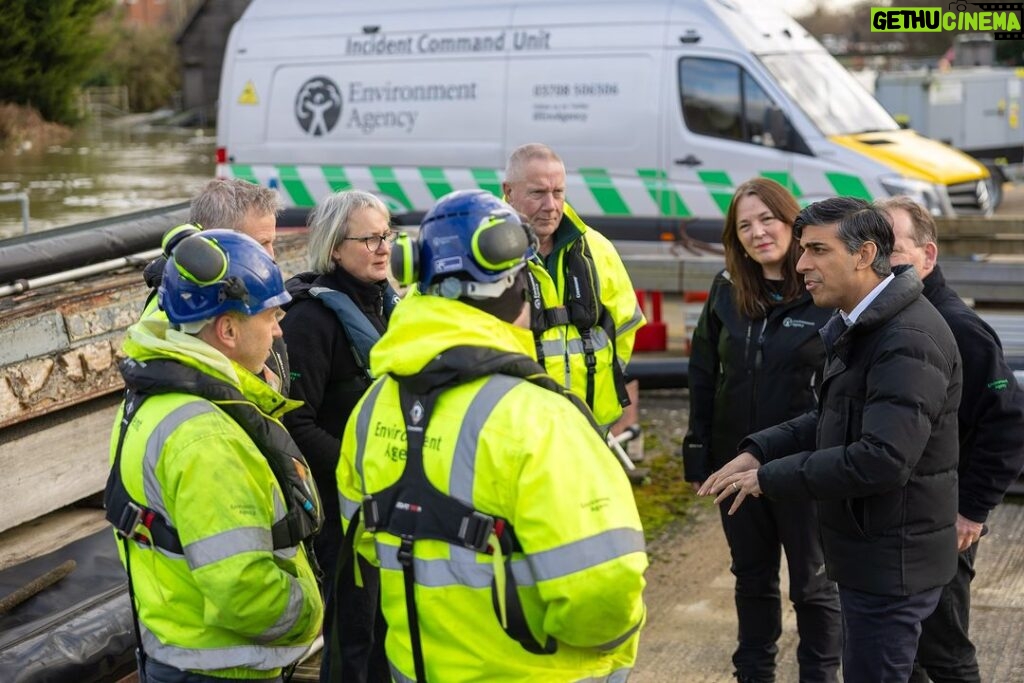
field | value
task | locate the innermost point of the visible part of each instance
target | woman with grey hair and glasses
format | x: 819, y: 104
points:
x: 338, y: 311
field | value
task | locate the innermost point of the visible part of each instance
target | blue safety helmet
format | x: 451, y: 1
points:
x: 468, y: 238
x: 212, y: 272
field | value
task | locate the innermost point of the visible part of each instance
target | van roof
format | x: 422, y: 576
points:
x: 758, y: 25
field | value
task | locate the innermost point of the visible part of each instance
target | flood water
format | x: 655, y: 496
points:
x: 104, y: 172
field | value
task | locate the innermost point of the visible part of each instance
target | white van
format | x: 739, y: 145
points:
x: 658, y: 107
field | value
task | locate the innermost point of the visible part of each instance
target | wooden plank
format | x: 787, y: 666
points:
x: 48, y: 533
x: 55, y: 460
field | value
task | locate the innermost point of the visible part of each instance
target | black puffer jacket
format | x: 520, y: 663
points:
x: 325, y: 375
x: 277, y: 361
x: 991, y: 413
x: 746, y: 375
x: 880, y: 453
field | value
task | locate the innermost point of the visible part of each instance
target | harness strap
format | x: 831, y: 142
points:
x: 131, y: 406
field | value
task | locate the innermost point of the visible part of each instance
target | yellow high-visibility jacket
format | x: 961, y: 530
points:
x: 562, y: 347
x: 231, y: 605
x: 517, y: 451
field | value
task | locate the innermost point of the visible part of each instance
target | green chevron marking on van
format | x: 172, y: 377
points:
x: 296, y: 188
x: 487, y: 179
x: 719, y: 185
x: 336, y: 178
x: 663, y: 193
x: 848, y: 186
x: 786, y: 180
x: 384, y: 176
x: 605, y: 193
x: 436, y: 181
x: 244, y: 172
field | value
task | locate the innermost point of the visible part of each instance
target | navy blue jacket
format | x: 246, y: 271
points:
x: 991, y: 413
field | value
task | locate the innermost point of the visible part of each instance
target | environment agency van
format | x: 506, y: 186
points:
x: 660, y: 108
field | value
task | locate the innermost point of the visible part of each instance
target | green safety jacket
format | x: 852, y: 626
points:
x: 561, y: 346
x: 231, y: 605
x: 515, y: 451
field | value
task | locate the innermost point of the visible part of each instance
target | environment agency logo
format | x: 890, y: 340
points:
x: 1002, y: 18
x: 318, y: 105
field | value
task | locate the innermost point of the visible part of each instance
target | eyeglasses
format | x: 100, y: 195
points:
x: 373, y: 242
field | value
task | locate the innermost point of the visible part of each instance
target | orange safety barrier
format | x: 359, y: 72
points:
x: 654, y: 335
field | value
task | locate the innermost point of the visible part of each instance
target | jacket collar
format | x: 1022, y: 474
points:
x: 934, y: 282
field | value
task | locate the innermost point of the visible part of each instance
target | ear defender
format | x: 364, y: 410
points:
x: 404, y: 259
x: 500, y: 241
x: 199, y: 259
x: 177, y: 234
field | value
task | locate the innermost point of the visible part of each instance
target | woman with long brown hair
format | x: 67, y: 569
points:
x: 755, y: 354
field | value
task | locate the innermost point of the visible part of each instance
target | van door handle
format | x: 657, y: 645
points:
x: 689, y: 160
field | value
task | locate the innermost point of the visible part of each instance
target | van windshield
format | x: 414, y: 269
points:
x: 833, y: 100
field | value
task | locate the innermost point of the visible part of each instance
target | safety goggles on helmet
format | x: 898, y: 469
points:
x: 213, y: 272
x: 470, y: 244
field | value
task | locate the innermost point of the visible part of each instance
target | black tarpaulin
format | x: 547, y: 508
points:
x: 79, y: 629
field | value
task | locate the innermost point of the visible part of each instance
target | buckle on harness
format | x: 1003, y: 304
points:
x: 132, y: 516
x: 475, y: 530
x: 371, y: 516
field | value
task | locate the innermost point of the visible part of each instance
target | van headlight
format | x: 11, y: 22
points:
x: 929, y: 195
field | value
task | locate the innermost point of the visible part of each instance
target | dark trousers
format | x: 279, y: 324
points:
x: 757, y: 533
x: 945, y: 652
x: 880, y: 634
x: 157, y: 672
x: 356, y: 653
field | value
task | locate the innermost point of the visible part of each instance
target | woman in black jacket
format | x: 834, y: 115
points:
x: 755, y: 355
x: 338, y: 311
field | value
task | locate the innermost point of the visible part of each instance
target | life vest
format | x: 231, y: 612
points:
x: 359, y: 331
x: 304, y: 514
x: 581, y: 307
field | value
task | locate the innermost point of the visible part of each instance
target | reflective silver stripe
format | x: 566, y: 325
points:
x: 363, y: 427
x: 588, y: 552
x: 440, y: 573
x: 552, y: 347
x: 612, y: 644
x: 348, y: 507
x: 398, y: 676
x: 154, y: 445
x: 228, y: 544
x: 288, y: 617
x: 638, y: 315
x: 597, y: 335
x: 250, y: 656
x: 460, y: 484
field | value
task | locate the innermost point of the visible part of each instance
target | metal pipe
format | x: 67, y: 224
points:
x: 19, y: 286
x: 21, y: 197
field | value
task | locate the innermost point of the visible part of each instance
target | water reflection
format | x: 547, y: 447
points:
x: 104, y: 172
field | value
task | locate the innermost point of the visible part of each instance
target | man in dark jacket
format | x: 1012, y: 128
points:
x: 880, y: 452
x: 991, y: 418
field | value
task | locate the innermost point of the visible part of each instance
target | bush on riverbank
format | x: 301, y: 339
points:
x: 22, y: 128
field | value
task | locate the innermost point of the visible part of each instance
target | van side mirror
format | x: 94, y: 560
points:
x: 777, y: 125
